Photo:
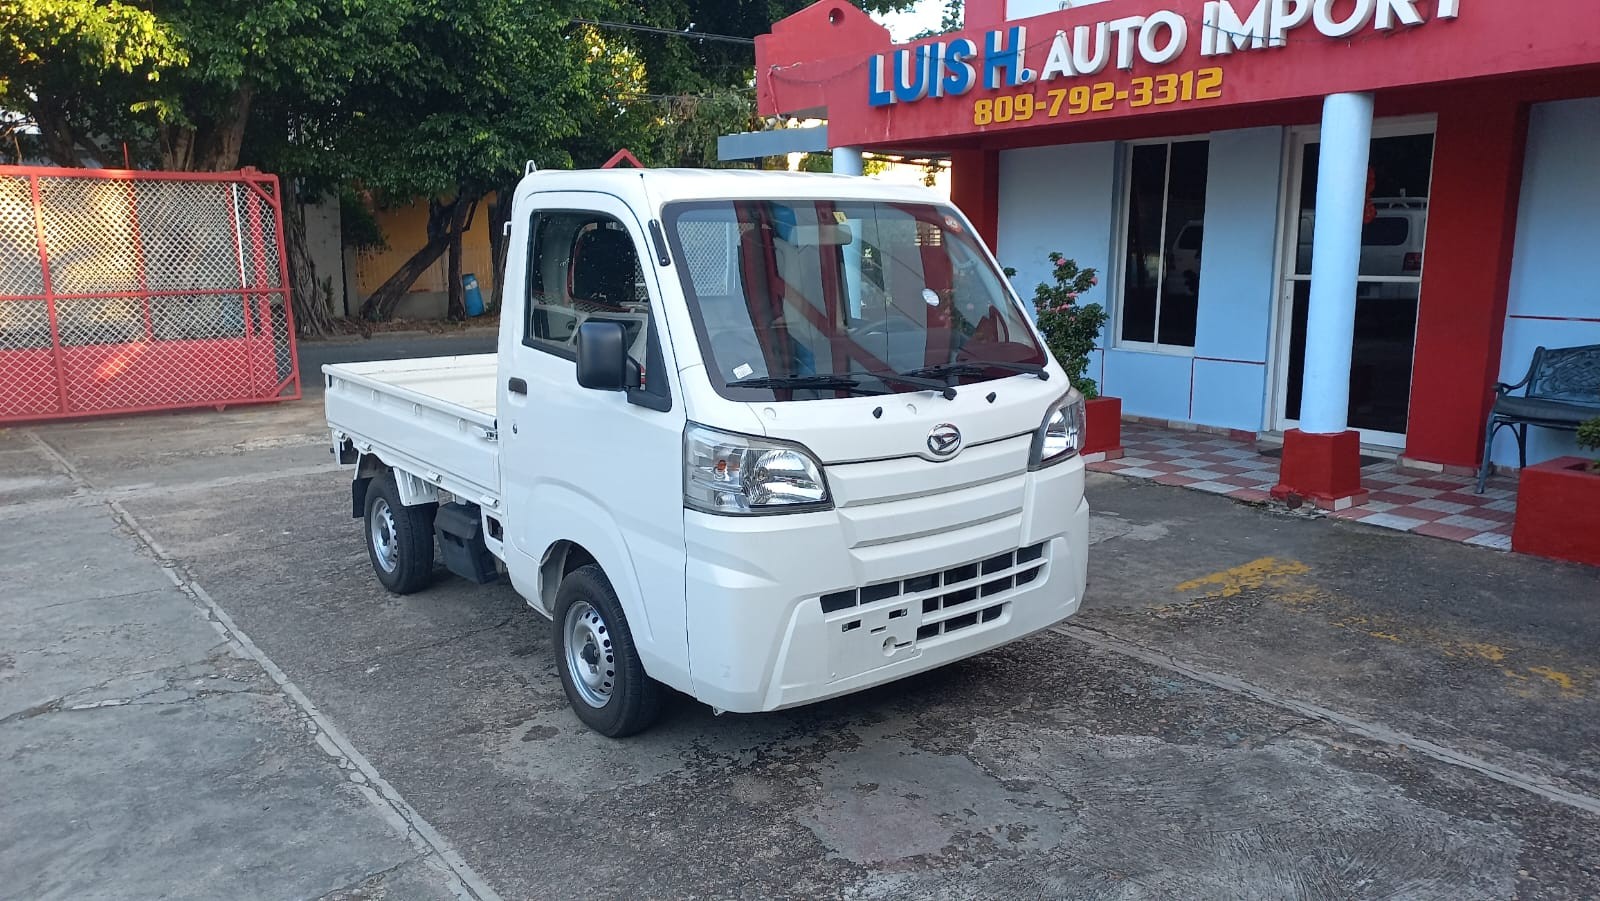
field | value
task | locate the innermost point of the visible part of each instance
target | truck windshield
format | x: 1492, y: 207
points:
x: 800, y: 300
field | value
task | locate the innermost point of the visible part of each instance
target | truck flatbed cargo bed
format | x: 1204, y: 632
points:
x: 432, y: 417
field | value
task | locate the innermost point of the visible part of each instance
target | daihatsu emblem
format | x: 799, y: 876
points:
x: 944, y: 441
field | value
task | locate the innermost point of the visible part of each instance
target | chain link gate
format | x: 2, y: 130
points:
x: 124, y: 292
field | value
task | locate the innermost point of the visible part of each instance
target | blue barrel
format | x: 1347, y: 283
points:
x: 474, y: 294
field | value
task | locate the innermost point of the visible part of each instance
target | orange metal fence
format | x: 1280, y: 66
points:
x: 132, y: 291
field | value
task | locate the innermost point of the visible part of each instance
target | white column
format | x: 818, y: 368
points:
x: 1335, y: 262
x: 847, y: 161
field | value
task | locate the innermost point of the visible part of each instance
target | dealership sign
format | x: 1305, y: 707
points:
x: 955, y: 67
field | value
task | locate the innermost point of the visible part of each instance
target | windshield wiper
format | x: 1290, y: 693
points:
x: 915, y: 380
x: 816, y: 382
x: 977, y: 367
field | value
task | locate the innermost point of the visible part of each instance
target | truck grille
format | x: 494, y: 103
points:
x: 947, y: 590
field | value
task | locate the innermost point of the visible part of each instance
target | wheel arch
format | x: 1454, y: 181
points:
x: 561, y: 558
x: 368, y: 467
x: 572, y: 526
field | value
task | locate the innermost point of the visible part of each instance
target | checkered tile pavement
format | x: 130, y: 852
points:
x: 1407, y: 500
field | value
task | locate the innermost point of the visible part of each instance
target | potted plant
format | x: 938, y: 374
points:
x: 1070, y: 330
x: 1558, y: 505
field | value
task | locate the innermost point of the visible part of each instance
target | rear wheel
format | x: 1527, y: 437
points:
x: 399, y: 538
x: 600, y: 669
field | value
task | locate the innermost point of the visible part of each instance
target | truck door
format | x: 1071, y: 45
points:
x: 599, y: 468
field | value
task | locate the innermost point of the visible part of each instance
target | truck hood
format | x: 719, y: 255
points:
x: 898, y: 425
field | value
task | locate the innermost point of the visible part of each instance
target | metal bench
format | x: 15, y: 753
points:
x: 1563, y: 392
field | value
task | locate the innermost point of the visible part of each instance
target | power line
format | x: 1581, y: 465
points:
x: 685, y: 33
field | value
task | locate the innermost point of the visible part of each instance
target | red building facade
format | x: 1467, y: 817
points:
x: 1206, y: 156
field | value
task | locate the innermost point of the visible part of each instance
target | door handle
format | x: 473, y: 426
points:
x: 517, y: 386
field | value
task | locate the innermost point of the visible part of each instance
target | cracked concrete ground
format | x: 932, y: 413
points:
x: 1251, y: 705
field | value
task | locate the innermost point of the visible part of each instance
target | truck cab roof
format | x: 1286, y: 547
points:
x: 668, y: 185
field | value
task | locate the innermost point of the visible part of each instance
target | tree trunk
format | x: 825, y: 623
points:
x: 177, y: 148
x: 61, y: 143
x: 312, y: 304
x: 379, y: 307
x: 220, y: 150
x: 499, y: 243
x: 447, y: 222
x: 456, y: 309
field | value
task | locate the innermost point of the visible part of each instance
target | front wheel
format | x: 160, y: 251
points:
x: 600, y: 669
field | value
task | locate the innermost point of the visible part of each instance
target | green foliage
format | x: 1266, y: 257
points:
x: 823, y: 162
x: 688, y: 65
x: 468, y: 92
x: 358, y: 228
x: 100, y: 36
x: 1589, y: 439
x: 72, y: 64
x: 683, y: 130
x: 695, y: 89
x: 1070, y: 329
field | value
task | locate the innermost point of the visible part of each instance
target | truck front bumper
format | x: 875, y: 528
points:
x: 783, y: 611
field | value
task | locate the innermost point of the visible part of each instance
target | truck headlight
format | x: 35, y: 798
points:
x: 1060, y: 436
x: 741, y: 475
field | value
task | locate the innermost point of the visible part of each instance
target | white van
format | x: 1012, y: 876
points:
x: 763, y: 438
x: 1392, y: 242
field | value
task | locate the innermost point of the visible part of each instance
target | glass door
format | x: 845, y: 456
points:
x: 1393, y: 236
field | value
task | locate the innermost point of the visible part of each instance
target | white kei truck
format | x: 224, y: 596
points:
x: 763, y: 438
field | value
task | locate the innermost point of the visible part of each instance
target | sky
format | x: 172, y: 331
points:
x: 921, y: 17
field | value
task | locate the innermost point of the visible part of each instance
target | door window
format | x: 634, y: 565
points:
x: 1387, y: 290
x: 581, y: 266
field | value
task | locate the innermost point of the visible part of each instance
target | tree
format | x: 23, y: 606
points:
x: 177, y: 79
x: 701, y: 83
x: 537, y: 88
x: 75, y: 69
x: 177, y: 84
x: 396, y: 99
x: 404, y: 98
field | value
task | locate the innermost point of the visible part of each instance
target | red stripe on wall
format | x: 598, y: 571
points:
x: 1554, y: 318
x: 1226, y: 360
x: 1191, y: 389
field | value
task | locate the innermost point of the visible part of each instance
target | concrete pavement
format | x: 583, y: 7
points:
x: 147, y: 751
x: 1251, y: 705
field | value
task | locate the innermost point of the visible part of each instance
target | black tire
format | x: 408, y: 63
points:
x: 628, y: 700
x: 406, y: 565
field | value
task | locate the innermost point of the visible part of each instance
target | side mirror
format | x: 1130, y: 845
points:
x: 603, y: 362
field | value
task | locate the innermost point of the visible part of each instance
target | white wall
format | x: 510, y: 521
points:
x: 1067, y: 199
x: 1555, y: 288
x: 325, y: 244
x: 1058, y: 199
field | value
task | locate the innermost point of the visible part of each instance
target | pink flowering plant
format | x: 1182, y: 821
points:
x: 1070, y: 328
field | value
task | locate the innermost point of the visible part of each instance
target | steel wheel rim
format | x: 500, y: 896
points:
x: 385, y: 544
x: 590, y: 658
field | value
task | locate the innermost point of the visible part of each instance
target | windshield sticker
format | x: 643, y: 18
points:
x: 951, y: 224
x: 742, y: 371
x: 931, y: 296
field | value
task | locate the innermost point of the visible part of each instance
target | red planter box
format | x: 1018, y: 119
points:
x: 1103, y: 428
x: 1558, y: 511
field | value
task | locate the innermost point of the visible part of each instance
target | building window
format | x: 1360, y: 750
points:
x: 1166, y: 204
